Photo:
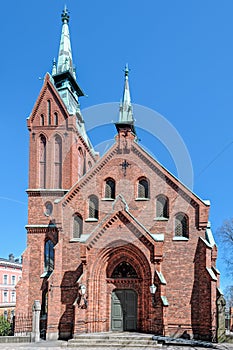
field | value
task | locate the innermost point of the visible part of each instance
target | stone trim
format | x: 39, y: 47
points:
x: 40, y: 228
x: 180, y: 238
x: 142, y: 199
x: 40, y: 192
x: 124, y: 280
x: 161, y: 218
x: 164, y: 300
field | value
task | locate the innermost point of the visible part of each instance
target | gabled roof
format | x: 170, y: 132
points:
x: 137, y: 150
x: 120, y: 212
x: 171, y: 179
x: 48, y: 85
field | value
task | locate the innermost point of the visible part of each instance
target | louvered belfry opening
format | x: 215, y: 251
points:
x: 162, y: 207
x: 143, y: 188
x: 181, y: 225
x: 93, y: 207
x: 77, y: 226
x: 110, y: 188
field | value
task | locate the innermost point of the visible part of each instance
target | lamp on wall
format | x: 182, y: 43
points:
x: 83, y: 289
x: 153, y: 289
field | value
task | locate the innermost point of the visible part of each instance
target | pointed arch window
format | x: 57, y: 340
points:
x: 49, y: 111
x: 110, y: 188
x: 56, y: 118
x: 42, y: 120
x: 77, y: 226
x: 93, y: 207
x: 181, y: 225
x: 48, y: 209
x: 84, y: 163
x: 42, y: 162
x: 124, y: 270
x: 58, y: 162
x: 81, y: 162
x: 49, y: 256
x: 143, y: 188
x: 162, y: 207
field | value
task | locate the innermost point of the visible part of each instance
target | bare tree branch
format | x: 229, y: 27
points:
x: 225, y: 235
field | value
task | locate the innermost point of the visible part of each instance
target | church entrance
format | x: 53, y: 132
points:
x: 121, y: 279
x: 124, y: 310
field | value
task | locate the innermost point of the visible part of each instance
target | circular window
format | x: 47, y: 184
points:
x: 48, y: 208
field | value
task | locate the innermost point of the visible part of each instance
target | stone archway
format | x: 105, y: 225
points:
x: 102, y: 283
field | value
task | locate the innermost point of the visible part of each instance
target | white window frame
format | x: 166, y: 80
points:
x: 13, y: 280
x: 5, y: 296
x: 13, y: 297
x: 5, y: 279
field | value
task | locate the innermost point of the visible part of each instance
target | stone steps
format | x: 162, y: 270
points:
x: 113, y: 340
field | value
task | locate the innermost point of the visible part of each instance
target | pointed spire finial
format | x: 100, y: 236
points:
x: 126, y: 118
x: 126, y: 70
x: 54, y: 70
x: 126, y: 113
x: 65, y: 15
x: 63, y: 71
x: 65, y: 62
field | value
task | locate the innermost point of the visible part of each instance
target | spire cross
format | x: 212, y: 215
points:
x: 124, y: 165
x: 126, y: 70
x: 65, y: 16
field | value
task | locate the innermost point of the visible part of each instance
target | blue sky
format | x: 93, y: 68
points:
x: 180, y: 55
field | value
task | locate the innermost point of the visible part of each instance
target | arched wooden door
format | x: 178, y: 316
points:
x: 124, y: 310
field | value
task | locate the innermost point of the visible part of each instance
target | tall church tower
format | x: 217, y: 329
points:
x: 60, y: 151
x: 60, y: 154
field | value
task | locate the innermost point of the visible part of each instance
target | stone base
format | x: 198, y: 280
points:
x: 52, y: 336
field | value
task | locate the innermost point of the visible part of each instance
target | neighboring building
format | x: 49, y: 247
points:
x: 10, y: 275
x: 113, y: 243
x: 229, y: 319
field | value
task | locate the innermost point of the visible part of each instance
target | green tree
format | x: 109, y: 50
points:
x: 5, y: 327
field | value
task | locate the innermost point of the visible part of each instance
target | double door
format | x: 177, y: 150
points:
x: 124, y: 310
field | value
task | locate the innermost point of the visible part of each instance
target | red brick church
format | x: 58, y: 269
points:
x: 114, y: 243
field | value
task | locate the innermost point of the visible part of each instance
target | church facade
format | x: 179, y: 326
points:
x: 114, y: 243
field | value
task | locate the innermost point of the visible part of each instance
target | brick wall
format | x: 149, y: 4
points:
x: 126, y: 230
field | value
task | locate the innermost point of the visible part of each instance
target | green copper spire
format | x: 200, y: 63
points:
x: 65, y: 62
x: 63, y: 71
x: 64, y: 78
x: 126, y: 119
x: 126, y: 111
